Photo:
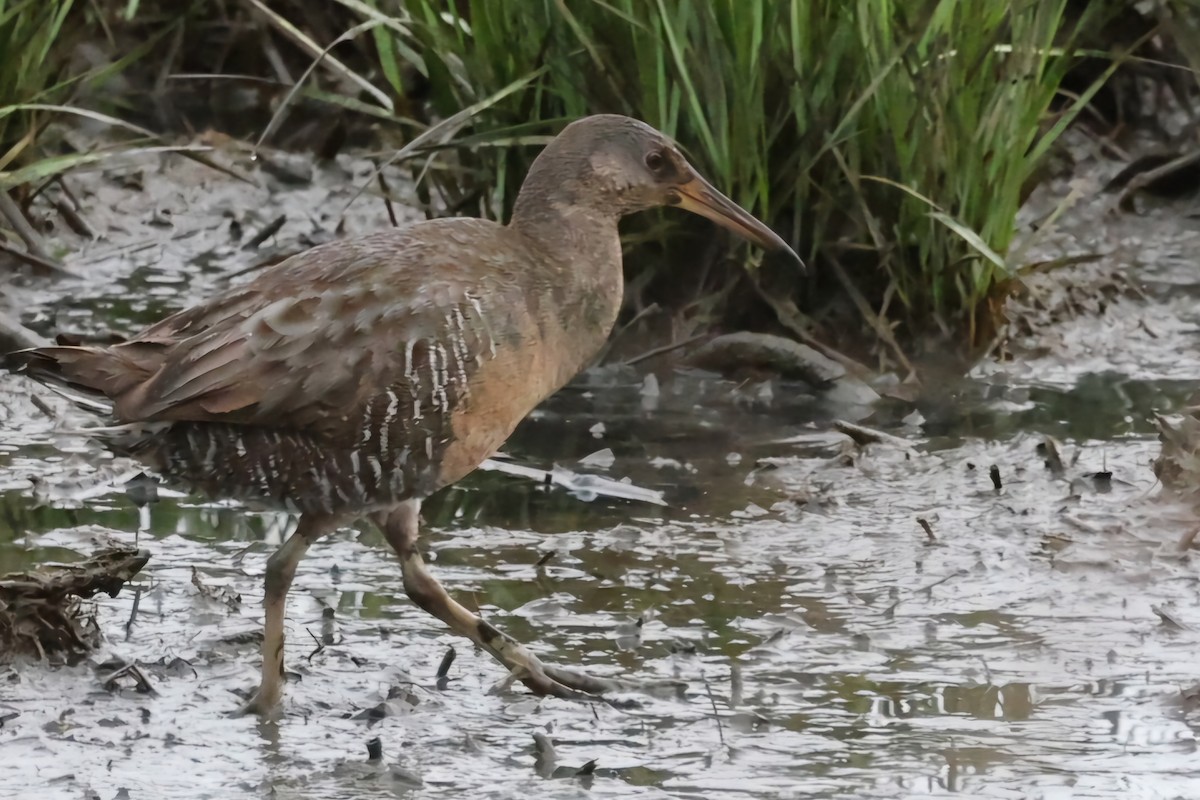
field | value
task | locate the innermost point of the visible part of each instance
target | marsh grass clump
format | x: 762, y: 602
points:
x: 893, y: 142
x: 30, y: 64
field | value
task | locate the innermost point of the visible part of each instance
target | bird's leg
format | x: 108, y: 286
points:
x: 401, y: 527
x: 281, y: 569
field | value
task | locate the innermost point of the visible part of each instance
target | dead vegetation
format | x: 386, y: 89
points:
x: 41, y: 611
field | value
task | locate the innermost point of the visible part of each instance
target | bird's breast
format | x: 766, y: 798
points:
x: 550, y: 341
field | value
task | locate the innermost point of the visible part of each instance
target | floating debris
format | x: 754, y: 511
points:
x: 218, y: 594
x: 601, y: 459
x: 40, y: 612
x: 585, y: 487
x: 736, y: 353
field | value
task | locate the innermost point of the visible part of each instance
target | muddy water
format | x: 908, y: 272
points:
x: 829, y: 645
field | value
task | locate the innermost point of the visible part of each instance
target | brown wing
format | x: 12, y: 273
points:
x: 315, y: 339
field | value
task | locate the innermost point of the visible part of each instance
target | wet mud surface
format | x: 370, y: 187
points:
x: 877, y: 621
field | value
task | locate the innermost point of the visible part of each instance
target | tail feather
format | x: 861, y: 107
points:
x: 88, y: 401
x: 91, y: 377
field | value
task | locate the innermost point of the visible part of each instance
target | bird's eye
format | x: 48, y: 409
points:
x: 655, y: 161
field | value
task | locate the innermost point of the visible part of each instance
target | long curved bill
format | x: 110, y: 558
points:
x: 698, y: 196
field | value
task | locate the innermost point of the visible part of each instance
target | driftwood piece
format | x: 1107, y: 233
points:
x: 40, y: 610
x: 762, y: 352
x: 863, y: 436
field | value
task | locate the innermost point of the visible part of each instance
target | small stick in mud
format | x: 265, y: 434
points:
x: 1142, y: 180
x: 75, y: 222
x: 925, y: 526
x: 545, y: 559
x: 320, y: 645
x: 41, y: 406
x: 66, y: 190
x: 387, y: 197
x: 67, y: 207
x: 270, y: 230
x: 137, y: 601
x: 443, y: 670
x: 42, y: 265
x: 994, y: 474
x: 716, y: 714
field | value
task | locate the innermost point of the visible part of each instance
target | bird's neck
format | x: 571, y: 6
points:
x: 562, y: 218
x: 581, y: 283
x: 559, y: 178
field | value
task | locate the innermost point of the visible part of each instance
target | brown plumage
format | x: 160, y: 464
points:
x: 359, y: 377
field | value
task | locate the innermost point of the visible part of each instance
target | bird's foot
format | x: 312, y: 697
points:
x: 576, y: 682
x: 593, y: 687
x: 550, y: 681
x: 263, y: 703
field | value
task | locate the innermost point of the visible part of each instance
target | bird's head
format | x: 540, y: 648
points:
x: 613, y: 165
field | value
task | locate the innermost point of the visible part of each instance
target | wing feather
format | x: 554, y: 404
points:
x: 315, y: 337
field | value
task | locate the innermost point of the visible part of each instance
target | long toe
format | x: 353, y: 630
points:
x: 262, y: 704
x: 550, y: 681
x: 582, y: 683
